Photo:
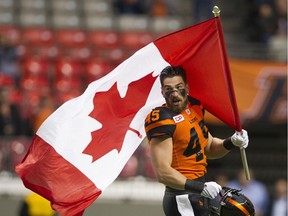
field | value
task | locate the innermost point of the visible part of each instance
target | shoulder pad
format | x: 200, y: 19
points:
x: 165, y: 113
x: 159, y: 114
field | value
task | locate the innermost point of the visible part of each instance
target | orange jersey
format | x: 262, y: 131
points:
x: 189, y: 134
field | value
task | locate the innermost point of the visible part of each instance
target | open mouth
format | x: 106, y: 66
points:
x: 176, y: 102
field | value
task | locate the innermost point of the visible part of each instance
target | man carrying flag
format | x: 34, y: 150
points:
x: 180, y: 143
x: 83, y: 146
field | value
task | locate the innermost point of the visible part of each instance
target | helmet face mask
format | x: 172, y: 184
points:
x: 234, y: 203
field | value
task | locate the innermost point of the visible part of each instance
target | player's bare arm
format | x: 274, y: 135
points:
x: 215, y: 148
x: 161, y: 155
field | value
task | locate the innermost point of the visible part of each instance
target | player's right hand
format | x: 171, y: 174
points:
x: 211, y: 190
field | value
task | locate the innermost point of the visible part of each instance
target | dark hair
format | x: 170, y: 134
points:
x: 171, y: 71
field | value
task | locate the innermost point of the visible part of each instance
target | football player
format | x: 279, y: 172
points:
x: 180, y: 144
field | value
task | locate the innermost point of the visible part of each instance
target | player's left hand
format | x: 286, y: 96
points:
x: 240, y: 139
x: 211, y: 190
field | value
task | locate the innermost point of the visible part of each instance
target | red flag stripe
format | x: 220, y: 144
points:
x: 35, y: 174
x: 230, y: 90
x: 200, y: 49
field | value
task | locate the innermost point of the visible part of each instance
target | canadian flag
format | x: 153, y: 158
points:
x: 83, y: 146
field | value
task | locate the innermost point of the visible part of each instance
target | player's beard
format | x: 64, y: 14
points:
x: 177, y: 104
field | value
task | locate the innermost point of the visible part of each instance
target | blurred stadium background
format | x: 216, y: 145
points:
x: 50, y: 50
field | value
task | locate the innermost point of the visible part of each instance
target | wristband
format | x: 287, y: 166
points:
x: 193, y: 185
x: 228, y: 144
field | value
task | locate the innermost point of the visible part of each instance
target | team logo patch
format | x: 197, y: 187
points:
x: 178, y: 118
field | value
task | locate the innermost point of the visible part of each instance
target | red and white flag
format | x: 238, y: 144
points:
x: 83, y: 146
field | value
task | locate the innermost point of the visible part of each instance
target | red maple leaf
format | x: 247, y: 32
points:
x: 115, y: 114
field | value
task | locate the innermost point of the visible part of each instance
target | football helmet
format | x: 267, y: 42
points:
x: 233, y: 203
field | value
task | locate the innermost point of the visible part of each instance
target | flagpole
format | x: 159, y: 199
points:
x: 244, y: 162
x: 216, y: 11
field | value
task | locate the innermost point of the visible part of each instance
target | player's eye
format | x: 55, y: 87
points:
x: 168, y: 89
x: 180, y: 87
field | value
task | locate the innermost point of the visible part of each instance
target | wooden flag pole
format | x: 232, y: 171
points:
x: 216, y: 12
x: 244, y: 162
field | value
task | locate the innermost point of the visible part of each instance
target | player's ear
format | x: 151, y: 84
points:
x: 187, y: 88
